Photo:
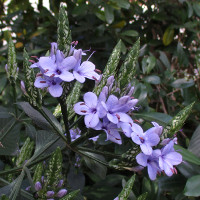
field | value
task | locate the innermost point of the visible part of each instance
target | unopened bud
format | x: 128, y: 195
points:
x: 60, y: 183
x: 28, y: 188
x: 42, y: 179
x: 61, y: 193
x: 38, y: 186
x: 50, y: 193
x: 23, y: 87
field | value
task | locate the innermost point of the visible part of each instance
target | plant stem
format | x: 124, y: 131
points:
x: 13, y: 85
x: 78, y: 120
x: 108, y: 154
x: 65, y: 117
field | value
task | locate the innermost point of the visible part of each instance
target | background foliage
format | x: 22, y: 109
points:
x: 167, y: 75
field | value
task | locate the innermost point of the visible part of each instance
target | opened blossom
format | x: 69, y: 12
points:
x: 147, y: 139
x: 53, y: 85
x: 90, y: 109
x: 84, y: 70
x: 151, y: 162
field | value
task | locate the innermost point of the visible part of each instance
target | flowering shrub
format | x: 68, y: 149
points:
x: 111, y: 122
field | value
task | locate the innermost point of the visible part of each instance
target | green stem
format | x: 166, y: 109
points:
x: 77, y: 121
x: 108, y: 154
x: 13, y: 85
x: 65, y: 117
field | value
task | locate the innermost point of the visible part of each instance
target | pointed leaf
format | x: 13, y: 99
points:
x: 143, y: 196
x: 9, y: 136
x: 11, y: 69
x: 177, y: 122
x: 53, y: 174
x: 63, y: 31
x: 110, y: 68
x: 127, y: 70
x: 71, y: 195
x: 194, y: 146
x: 25, y: 152
x: 168, y: 36
x: 127, y: 189
x: 38, y: 173
x: 192, y: 187
x: 33, y: 94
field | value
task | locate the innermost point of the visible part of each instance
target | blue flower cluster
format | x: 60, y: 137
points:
x: 111, y: 114
x: 56, y: 68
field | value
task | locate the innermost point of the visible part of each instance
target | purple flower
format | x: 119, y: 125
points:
x: 75, y: 133
x: 38, y: 186
x: 60, y: 183
x: 169, y: 157
x: 110, y: 129
x: 61, y: 193
x: 94, y: 139
x: 58, y: 66
x: 117, y: 109
x: 89, y: 108
x: 84, y: 70
x: 53, y: 84
x: 50, y: 194
x: 145, y: 140
x: 157, y: 128
x: 151, y: 162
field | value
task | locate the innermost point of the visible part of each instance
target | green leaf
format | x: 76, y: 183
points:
x: 194, y: 146
x: 164, y: 59
x: 168, y: 36
x: 182, y: 83
x: 31, y: 92
x: 130, y: 33
x: 17, y: 185
x: 192, y: 187
x: 53, y: 174
x: 196, y: 7
x: 143, y: 196
x: 182, y: 57
x: 109, y: 14
x: 9, y: 136
x: 127, y: 189
x: 38, y: 119
x: 71, y: 195
x: 148, y: 63
x: 95, y: 166
x: 152, y: 79
x: 177, y: 122
x: 38, y: 173
x: 12, y: 70
x: 187, y: 155
x: 72, y: 98
x: 122, y: 3
x: 110, y: 68
x: 4, y: 197
x: 160, y: 118
x: 63, y: 31
x: 190, y: 9
x: 127, y: 70
x: 25, y: 152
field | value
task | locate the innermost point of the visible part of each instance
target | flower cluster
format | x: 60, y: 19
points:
x: 111, y: 114
x: 107, y: 112
x: 50, y: 195
x: 57, y: 68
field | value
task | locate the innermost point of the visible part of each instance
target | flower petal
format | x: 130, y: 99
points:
x: 114, y: 136
x: 46, y: 63
x: 152, y: 171
x: 113, y: 118
x: 91, y: 120
x: 78, y: 77
x: 111, y: 102
x: 68, y: 63
x: 90, y: 99
x: 66, y: 76
x: 152, y: 139
x: 40, y: 83
x: 174, y: 158
x: 81, y: 109
x: 55, y: 90
x: 142, y: 159
x: 146, y: 149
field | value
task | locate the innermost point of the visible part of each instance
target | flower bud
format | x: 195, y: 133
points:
x: 38, y: 186
x: 61, y: 193
x: 28, y: 188
x: 23, y: 87
x: 60, y: 183
x: 50, y: 193
x: 42, y: 179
